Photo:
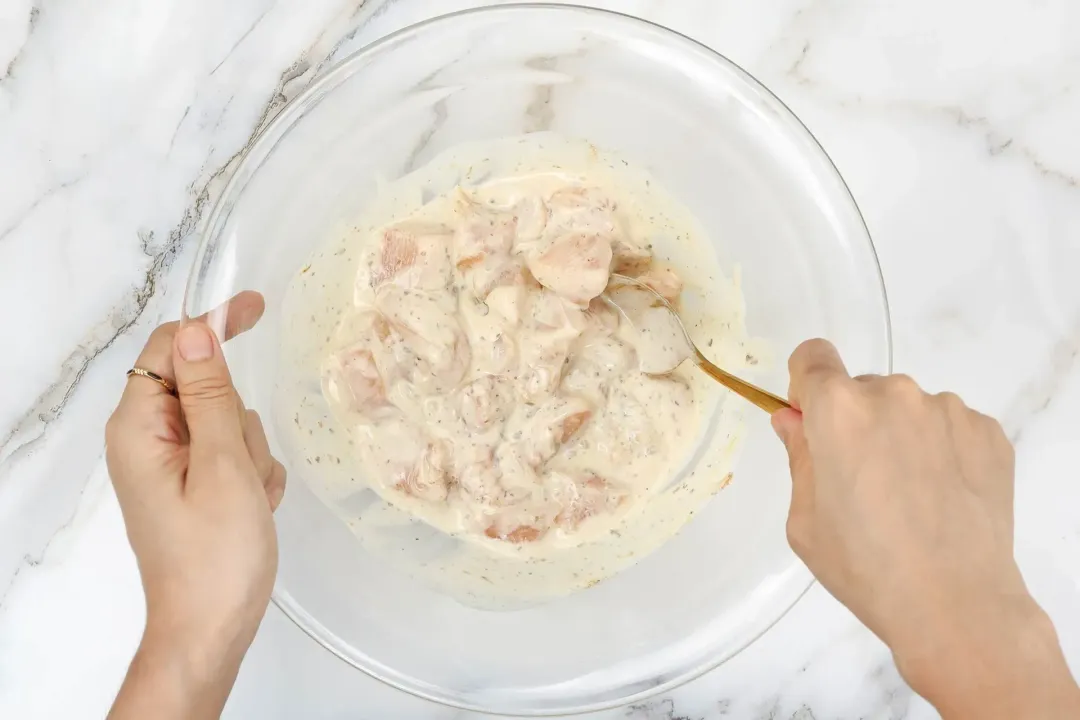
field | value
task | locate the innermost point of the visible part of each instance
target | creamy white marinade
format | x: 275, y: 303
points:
x: 476, y: 381
x: 486, y: 386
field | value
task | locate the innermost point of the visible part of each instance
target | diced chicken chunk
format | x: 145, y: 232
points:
x: 478, y: 479
x: 486, y: 401
x: 393, y: 447
x: 664, y: 281
x: 429, y: 479
x: 532, y: 218
x: 550, y: 313
x: 430, y: 332
x: 507, y: 302
x: 494, y: 350
x: 583, y: 209
x: 397, y: 254
x: 542, y: 360
x: 412, y: 255
x: 628, y: 258
x: 581, y: 497
x: 550, y: 329
x: 595, y: 366
x: 516, y: 535
x: 539, y: 434
x: 575, y: 266
x: 482, y: 231
x: 493, y: 273
x: 351, y: 377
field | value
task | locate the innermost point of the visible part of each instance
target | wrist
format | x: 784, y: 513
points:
x: 200, y: 655
x: 1001, y: 660
x: 173, y: 678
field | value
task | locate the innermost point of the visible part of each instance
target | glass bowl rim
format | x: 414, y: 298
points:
x: 275, y: 130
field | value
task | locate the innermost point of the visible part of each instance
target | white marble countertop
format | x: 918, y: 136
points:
x: 953, y: 121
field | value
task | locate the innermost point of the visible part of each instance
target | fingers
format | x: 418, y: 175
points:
x: 156, y: 356
x: 275, y: 486
x: 257, y: 445
x: 210, y: 404
x: 232, y: 318
x: 788, y: 425
x: 271, y: 472
x: 812, y: 366
x: 237, y: 315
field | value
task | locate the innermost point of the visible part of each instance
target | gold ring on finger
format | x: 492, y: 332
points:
x: 167, y: 384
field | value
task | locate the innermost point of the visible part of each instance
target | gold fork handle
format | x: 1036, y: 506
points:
x: 762, y: 398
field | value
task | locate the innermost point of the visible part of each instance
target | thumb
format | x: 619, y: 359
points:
x: 210, y: 404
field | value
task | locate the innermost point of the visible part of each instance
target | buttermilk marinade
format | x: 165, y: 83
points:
x: 478, y: 382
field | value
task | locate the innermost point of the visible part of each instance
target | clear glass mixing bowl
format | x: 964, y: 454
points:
x: 771, y: 202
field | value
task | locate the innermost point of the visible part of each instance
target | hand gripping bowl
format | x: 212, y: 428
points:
x: 771, y: 202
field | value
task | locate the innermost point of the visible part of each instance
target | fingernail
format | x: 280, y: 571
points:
x: 194, y: 343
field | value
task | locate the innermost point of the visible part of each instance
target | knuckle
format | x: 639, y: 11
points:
x: 813, y: 347
x: 953, y: 403
x: 903, y: 387
x: 809, y: 354
x: 209, y: 391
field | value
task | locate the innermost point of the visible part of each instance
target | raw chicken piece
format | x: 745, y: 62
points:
x: 541, y: 431
x: 541, y: 361
x: 628, y: 258
x: 430, y: 331
x: 532, y: 218
x: 398, y: 252
x: 519, y: 534
x: 625, y: 430
x: 494, y: 351
x: 392, y: 447
x: 507, y: 302
x: 351, y: 377
x: 575, y: 266
x: 483, y: 232
x: 582, y: 209
x: 541, y: 368
x: 359, y: 375
x: 429, y: 479
x: 550, y: 313
x: 581, y: 497
x: 523, y: 514
x: 595, y: 365
x: 564, y: 501
x: 492, y: 273
x: 413, y: 255
x: 602, y: 317
x: 589, y: 210
x: 486, y: 401
x: 478, y: 478
x: 551, y: 327
x: 664, y: 281
x: 482, y: 245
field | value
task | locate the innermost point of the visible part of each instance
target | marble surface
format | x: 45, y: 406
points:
x: 953, y: 121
